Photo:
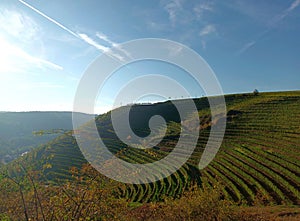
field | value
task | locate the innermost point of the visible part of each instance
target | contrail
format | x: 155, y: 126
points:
x: 117, y: 57
x: 50, y: 19
x: 80, y: 36
x: 274, y: 22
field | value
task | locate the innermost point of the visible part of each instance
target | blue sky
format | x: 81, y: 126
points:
x: 45, y: 46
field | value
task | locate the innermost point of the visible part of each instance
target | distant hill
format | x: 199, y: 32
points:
x: 16, y: 131
x: 258, y: 163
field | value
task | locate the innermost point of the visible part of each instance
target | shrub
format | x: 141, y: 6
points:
x: 197, y: 204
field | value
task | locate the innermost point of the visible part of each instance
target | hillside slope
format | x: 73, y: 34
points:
x: 258, y: 163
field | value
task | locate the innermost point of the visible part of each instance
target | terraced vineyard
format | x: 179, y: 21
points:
x: 258, y: 162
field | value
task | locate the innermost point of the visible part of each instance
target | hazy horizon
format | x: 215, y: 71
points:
x: 45, y: 51
x: 141, y: 103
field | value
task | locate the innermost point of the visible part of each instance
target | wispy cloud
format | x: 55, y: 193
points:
x: 207, y: 30
x: 90, y: 41
x: 274, y: 23
x: 286, y: 12
x: 18, y: 25
x: 14, y: 58
x: 156, y: 26
x: 294, y: 5
x: 172, y: 7
x: 105, y: 38
x: 81, y: 36
x: 49, y: 18
x: 186, y: 12
x: 203, y: 7
x: 203, y: 43
x: 174, y: 50
x: 246, y: 47
x: 113, y: 44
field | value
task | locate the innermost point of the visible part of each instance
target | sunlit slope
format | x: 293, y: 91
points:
x: 258, y: 162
